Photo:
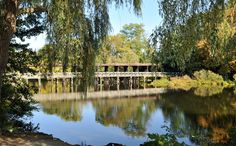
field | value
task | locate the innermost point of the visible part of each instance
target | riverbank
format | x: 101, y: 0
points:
x: 32, y: 139
x: 205, y: 83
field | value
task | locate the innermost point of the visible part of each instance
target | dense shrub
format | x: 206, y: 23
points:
x: 162, y: 140
x: 207, y: 75
x: 163, y: 82
x: 16, y: 103
x: 234, y: 77
x: 205, y: 83
x: 184, y: 83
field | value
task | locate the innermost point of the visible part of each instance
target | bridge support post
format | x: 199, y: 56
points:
x: 72, y: 84
x: 155, y: 78
x: 118, y: 83
x: 56, y: 88
x: 131, y: 82
x: 144, y: 82
x: 63, y: 85
x: 39, y: 82
x: 106, y: 83
x: 51, y: 80
x: 100, y: 83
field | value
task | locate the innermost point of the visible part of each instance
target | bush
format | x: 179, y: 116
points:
x: 205, y: 82
x: 162, y: 140
x: 184, y: 83
x: 207, y: 75
x: 15, y: 103
x: 163, y: 82
x: 234, y: 77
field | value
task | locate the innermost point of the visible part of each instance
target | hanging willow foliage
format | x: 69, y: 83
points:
x: 84, y: 20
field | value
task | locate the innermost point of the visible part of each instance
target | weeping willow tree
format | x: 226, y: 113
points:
x: 66, y: 20
x: 195, y: 34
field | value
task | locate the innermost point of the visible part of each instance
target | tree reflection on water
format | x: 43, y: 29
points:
x: 68, y: 110
x: 204, y: 120
x: 130, y: 115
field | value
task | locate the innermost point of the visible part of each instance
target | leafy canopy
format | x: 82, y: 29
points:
x: 196, y: 34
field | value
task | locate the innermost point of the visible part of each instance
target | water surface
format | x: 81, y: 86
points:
x: 195, y: 119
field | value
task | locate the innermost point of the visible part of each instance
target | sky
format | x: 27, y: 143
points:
x: 118, y: 17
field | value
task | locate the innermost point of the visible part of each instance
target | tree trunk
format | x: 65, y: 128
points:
x: 7, y: 29
x: 4, y: 46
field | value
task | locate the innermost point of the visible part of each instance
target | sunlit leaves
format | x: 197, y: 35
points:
x: 188, y: 23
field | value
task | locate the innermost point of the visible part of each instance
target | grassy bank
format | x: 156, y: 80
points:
x: 204, y: 82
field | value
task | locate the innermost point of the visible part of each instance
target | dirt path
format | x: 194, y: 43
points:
x: 31, y: 140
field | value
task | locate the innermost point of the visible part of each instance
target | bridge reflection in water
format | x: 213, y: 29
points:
x: 100, y: 94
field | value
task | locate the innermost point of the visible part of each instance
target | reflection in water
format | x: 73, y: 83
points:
x: 202, y: 120
x: 67, y: 110
x: 208, y: 91
x: 130, y: 115
x: 126, y: 113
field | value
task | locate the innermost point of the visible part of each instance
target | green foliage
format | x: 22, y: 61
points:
x: 204, y: 82
x: 86, y: 21
x: 168, y: 139
x: 16, y: 103
x: 207, y: 75
x: 208, y: 78
x: 196, y: 35
x: 135, y: 38
x: 232, y: 134
x: 21, y: 59
x: 234, y: 77
x: 162, y: 140
x: 89, y: 24
x: 163, y: 82
x: 184, y: 83
x: 119, y: 48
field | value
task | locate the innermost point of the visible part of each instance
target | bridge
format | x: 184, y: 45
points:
x: 97, y: 74
x: 105, y: 72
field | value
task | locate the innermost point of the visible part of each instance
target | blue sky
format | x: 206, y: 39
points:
x: 150, y: 16
x: 119, y: 17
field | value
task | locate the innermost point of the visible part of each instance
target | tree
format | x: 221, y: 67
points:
x: 195, y: 34
x: 117, y: 50
x: 16, y: 101
x: 135, y: 37
x: 131, y: 41
x: 87, y: 20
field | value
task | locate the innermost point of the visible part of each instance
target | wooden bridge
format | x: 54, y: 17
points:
x: 109, y: 71
x: 104, y: 72
x: 97, y: 74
